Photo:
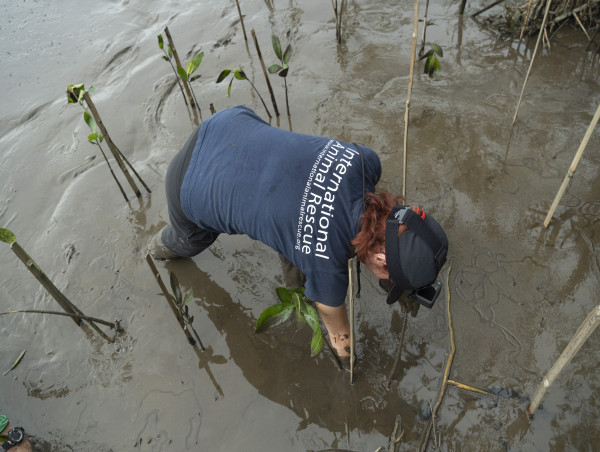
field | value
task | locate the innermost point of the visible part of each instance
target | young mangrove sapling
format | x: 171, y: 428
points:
x: 240, y: 75
x: 294, y: 300
x: 432, y: 64
x: 282, y: 68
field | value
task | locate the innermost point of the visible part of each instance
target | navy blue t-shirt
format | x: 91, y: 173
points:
x: 302, y: 195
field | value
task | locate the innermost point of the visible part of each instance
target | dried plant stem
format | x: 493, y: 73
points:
x: 351, y: 303
x: 497, y: 2
x: 113, y: 173
x: 446, y: 370
x: 468, y: 388
x: 424, y: 29
x: 532, y: 58
x: 581, y: 335
x: 170, y: 301
x: 573, y: 167
x: 410, y: 83
x: 237, y: 2
x: 265, y: 72
x: 112, y: 325
x: 111, y: 145
x: 186, y: 83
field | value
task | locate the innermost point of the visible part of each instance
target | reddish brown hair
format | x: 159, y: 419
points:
x: 372, y: 232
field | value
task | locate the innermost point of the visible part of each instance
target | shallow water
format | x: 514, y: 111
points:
x: 518, y: 291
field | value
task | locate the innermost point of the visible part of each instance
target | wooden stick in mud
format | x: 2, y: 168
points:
x: 573, y: 167
x: 36, y: 271
x: 111, y: 145
x: 497, y: 2
x: 542, y: 27
x: 461, y: 8
x: 351, y: 300
x: 424, y: 29
x: 469, y: 388
x: 112, y: 172
x: 427, y: 431
x: 112, y: 325
x: 264, y: 68
x: 581, y: 335
x: 237, y: 2
x: 170, y: 301
x: 399, y: 350
x: 410, y: 82
x: 186, y: 83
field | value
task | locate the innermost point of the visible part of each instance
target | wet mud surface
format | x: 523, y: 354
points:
x: 517, y: 291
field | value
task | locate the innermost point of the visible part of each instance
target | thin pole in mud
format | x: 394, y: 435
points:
x: 431, y: 423
x: 581, y: 335
x: 573, y: 167
x: 264, y: 68
x: 186, y: 83
x: 462, y: 7
x: 241, y: 19
x: 351, y: 302
x: 424, y: 29
x: 542, y: 27
x: 113, y: 325
x: 399, y: 350
x: 410, y: 82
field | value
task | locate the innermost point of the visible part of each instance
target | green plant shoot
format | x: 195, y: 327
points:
x: 432, y: 64
x: 7, y: 236
x: 240, y: 75
x: 294, y: 300
x: 282, y: 69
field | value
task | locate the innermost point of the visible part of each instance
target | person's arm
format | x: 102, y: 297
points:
x: 25, y: 445
x: 338, y: 327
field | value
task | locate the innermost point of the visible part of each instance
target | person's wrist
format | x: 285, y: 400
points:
x: 3, y: 423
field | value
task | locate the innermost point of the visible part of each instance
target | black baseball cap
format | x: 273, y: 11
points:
x: 415, y: 258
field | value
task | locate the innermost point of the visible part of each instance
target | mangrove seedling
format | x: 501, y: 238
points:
x: 8, y: 237
x: 240, y: 75
x: 180, y: 71
x: 168, y: 54
x: 294, y: 300
x: 79, y: 95
x: 432, y: 64
x: 265, y: 72
x: 283, y: 67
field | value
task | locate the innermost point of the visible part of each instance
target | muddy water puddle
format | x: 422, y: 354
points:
x: 517, y: 291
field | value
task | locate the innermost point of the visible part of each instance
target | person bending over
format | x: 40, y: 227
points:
x: 310, y: 198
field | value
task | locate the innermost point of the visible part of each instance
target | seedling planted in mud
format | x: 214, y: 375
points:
x: 240, y: 75
x: 294, y: 300
x: 282, y: 69
x: 432, y: 64
x: 79, y: 95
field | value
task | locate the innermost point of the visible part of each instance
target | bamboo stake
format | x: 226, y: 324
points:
x: 264, y: 68
x: 532, y: 58
x: 581, y: 335
x: 111, y: 145
x: 410, y: 82
x: 461, y: 9
x: 573, y: 167
x: 186, y: 83
x: 424, y: 29
x: 351, y: 302
x: 112, y: 172
x: 241, y: 19
x: 446, y: 371
x: 36, y: 271
x: 170, y: 301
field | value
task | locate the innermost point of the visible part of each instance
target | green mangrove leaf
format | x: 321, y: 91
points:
x: 190, y: 297
x: 7, y: 236
x: 287, y: 54
x: 272, y: 311
x: 16, y: 363
x: 224, y: 73
x: 240, y: 75
x: 437, y: 50
x: 284, y: 294
x: 229, y: 88
x: 194, y: 63
x: 169, y: 52
x: 90, y: 121
x: 274, y: 68
x: 316, y: 344
x: 91, y: 89
x: 164, y: 57
x: 276, y: 46
x: 92, y: 137
x: 195, y: 77
x: 182, y: 73
x: 175, y: 286
x: 75, y: 93
x: 311, y: 316
x: 160, y: 42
